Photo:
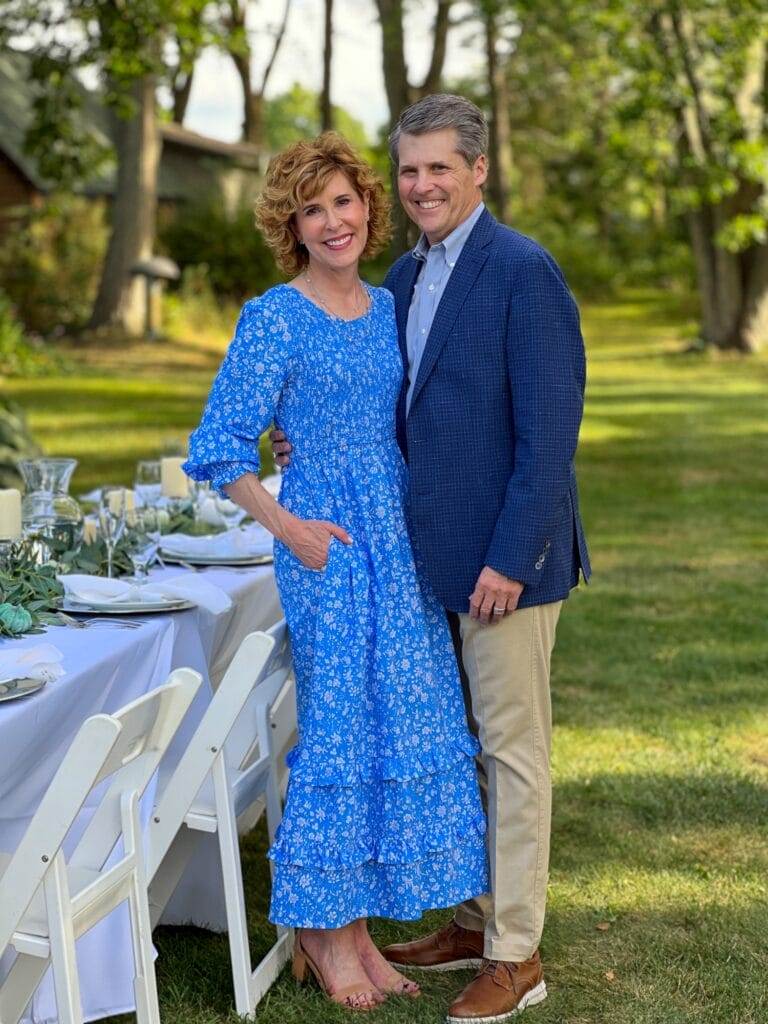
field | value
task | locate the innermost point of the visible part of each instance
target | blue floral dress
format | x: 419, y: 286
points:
x: 383, y: 814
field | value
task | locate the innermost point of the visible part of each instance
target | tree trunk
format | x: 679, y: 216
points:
x: 395, y: 70
x: 181, y: 93
x: 133, y: 214
x: 433, y: 77
x: 326, y: 108
x: 733, y: 287
x: 500, y: 156
x: 396, y: 87
x: 754, y: 323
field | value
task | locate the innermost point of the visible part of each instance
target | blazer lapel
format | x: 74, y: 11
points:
x: 468, y: 266
x: 403, y: 304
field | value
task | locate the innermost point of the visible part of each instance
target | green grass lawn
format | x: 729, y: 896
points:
x: 660, y: 688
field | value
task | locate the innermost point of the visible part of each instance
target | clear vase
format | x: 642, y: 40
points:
x: 48, y: 510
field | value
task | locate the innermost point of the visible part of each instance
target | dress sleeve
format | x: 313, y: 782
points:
x: 243, y: 398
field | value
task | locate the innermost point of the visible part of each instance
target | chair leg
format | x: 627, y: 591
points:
x: 20, y: 985
x: 66, y: 982
x: 234, y: 896
x: 145, y: 982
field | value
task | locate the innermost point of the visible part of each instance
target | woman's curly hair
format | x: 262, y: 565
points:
x: 297, y: 174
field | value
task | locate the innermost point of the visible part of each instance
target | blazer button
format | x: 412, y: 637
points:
x: 540, y: 564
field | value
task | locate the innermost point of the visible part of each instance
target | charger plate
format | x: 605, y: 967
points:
x: 10, y: 689
x: 176, y: 604
x: 213, y: 560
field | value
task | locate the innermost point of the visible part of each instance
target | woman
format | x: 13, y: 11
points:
x: 383, y: 814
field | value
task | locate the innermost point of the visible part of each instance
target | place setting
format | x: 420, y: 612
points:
x: 106, y: 561
x: 24, y: 672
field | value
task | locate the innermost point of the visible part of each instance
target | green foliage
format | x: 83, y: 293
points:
x: 15, y: 442
x: 51, y: 260
x: 28, y: 592
x: 91, y: 558
x: 78, y: 152
x: 220, y: 252
x: 294, y: 115
x: 19, y: 355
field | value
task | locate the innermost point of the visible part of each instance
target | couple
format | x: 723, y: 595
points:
x: 426, y: 535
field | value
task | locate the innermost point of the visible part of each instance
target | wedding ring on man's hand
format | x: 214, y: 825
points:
x: 497, y: 610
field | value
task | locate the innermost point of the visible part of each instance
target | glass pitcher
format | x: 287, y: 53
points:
x: 47, y: 508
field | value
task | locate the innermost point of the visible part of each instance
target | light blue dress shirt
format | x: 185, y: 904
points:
x: 438, y: 263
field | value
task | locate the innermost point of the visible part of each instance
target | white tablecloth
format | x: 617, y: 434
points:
x: 105, y: 669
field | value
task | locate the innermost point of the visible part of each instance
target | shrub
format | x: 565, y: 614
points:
x: 19, y: 356
x: 237, y: 261
x: 50, y: 263
x: 15, y: 442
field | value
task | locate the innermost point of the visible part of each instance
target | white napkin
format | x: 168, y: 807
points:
x: 89, y: 589
x: 208, y: 513
x: 272, y: 483
x: 41, y: 662
x: 247, y: 541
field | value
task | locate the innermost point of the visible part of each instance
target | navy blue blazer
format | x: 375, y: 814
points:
x: 494, y: 421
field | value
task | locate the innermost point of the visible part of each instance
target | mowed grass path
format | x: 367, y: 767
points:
x: 658, y: 903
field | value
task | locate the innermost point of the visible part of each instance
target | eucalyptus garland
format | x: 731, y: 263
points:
x: 28, y: 592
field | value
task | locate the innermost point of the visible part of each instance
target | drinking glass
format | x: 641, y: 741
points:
x: 200, y: 492
x: 144, y: 543
x: 230, y: 512
x: 147, y: 482
x: 111, y: 522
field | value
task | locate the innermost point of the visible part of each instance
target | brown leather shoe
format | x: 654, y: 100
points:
x: 453, y: 948
x: 499, y: 991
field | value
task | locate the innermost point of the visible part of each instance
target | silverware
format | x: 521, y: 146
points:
x: 94, y: 620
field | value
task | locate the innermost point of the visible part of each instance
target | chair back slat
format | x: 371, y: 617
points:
x: 242, y: 747
x: 75, y: 778
x: 244, y: 675
x: 147, y: 726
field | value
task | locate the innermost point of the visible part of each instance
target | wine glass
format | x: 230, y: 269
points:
x: 147, y: 482
x: 144, y: 543
x: 229, y: 511
x: 111, y: 521
x: 201, y: 492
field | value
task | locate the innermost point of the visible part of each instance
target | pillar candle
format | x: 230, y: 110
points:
x: 10, y: 514
x: 173, y: 480
x: 116, y: 500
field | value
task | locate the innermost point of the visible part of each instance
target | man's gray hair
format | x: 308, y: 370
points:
x: 437, y: 112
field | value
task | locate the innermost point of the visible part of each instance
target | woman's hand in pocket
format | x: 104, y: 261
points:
x: 310, y: 540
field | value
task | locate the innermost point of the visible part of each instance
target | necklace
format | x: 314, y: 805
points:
x: 361, y: 299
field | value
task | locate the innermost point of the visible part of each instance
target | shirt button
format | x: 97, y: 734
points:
x: 423, y: 330
x: 451, y: 264
x: 431, y: 287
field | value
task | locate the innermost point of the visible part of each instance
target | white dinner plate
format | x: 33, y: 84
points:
x: 175, y: 604
x: 203, y: 560
x: 10, y: 689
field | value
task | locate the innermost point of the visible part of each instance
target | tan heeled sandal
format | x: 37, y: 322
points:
x: 303, y: 963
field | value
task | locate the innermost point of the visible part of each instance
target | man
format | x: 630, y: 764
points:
x: 488, y: 421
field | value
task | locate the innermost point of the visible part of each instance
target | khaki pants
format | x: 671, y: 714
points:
x: 505, y: 674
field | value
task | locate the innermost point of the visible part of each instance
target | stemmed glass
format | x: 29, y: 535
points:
x: 229, y: 511
x: 200, y: 492
x: 144, y: 543
x: 111, y: 521
x: 147, y: 482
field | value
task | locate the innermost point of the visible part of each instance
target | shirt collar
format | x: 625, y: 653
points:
x: 452, y: 244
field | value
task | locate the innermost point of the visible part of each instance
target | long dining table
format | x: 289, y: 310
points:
x: 106, y: 667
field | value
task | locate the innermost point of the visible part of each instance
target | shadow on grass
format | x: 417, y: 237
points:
x: 663, y: 802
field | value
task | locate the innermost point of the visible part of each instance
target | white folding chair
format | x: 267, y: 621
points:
x: 48, y: 901
x: 229, y: 766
